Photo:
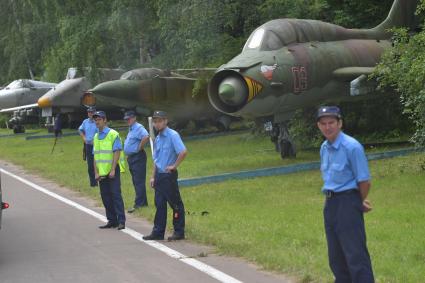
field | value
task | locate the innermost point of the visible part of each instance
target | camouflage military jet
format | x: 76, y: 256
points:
x: 147, y: 89
x: 288, y: 64
x: 19, y: 97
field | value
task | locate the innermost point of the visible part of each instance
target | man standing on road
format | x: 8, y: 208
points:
x: 87, y: 131
x: 108, y: 164
x: 136, y: 156
x: 169, y: 152
x: 346, y: 185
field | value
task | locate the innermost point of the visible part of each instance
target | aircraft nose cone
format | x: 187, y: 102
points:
x: 44, y: 102
x: 102, y: 88
x: 232, y: 91
x: 117, y: 88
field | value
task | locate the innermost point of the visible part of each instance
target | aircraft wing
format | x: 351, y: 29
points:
x: 29, y: 106
x: 195, y: 73
x: 348, y: 74
x: 358, y: 79
x: 176, y: 79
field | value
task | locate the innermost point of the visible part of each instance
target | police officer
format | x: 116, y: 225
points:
x: 87, y: 131
x: 169, y: 152
x: 136, y: 156
x: 108, y: 164
x: 346, y: 185
x: 57, y: 127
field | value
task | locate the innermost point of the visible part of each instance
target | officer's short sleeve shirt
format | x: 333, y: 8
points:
x: 134, y: 137
x: 88, y: 127
x: 168, y: 146
x: 343, y: 164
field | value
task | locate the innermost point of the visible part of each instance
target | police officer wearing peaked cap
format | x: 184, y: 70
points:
x: 135, y: 141
x: 169, y: 152
x: 108, y: 165
x: 87, y: 131
x: 346, y: 185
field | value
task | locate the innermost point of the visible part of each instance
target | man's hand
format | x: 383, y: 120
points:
x: 112, y: 174
x: 366, y: 206
x: 96, y: 176
x: 170, y: 168
x: 152, y: 182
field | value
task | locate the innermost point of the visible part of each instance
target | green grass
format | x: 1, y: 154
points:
x: 275, y: 222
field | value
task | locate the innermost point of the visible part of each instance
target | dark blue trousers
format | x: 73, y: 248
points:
x: 349, y: 258
x: 110, y: 191
x: 167, y: 191
x: 137, y: 165
x: 90, y: 164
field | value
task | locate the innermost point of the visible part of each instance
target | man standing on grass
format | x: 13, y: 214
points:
x: 136, y: 157
x: 169, y: 152
x: 108, y: 164
x: 346, y: 185
x: 87, y: 131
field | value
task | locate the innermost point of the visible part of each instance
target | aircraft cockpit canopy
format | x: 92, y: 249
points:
x: 16, y: 84
x: 279, y: 33
x: 142, y: 74
x: 29, y: 84
x: 264, y: 40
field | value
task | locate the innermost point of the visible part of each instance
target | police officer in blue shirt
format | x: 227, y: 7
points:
x: 110, y: 184
x: 346, y: 185
x: 169, y: 152
x: 136, y: 156
x: 87, y: 131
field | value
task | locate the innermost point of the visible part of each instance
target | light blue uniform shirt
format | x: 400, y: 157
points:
x: 88, y: 127
x: 135, y: 135
x: 117, y: 143
x: 343, y: 164
x: 168, y: 146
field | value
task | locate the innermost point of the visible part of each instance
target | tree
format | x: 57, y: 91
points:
x: 54, y: 35
x: 402, y: 68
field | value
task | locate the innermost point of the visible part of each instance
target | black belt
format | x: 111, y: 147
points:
x: 331, y: 194
x: 137, y: 153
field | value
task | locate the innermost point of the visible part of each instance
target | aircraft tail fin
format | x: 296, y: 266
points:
x: 402, y: 14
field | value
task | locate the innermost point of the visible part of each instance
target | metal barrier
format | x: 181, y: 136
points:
x: 283, y: 170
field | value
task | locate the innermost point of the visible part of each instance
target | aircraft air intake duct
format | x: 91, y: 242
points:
x: 228, y: 91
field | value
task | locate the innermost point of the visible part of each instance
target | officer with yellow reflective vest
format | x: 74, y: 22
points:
x: 108, y: 164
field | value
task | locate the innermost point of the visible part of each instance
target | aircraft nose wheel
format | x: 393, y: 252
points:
x: 282, y: 140
x: 18, y: 129
x: 287, y: 149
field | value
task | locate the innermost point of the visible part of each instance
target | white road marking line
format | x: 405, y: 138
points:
x: 205, y: 268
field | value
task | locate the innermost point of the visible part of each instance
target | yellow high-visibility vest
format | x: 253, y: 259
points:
x: 104, y: 155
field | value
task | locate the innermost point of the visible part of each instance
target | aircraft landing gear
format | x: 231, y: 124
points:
x: 282, y: 140
x: 18, y: 129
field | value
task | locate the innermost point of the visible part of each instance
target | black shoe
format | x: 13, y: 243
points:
x: 121, y: 226
x: 176, y: 237
x: 153, y: 237
x: 108, y: 225
x: 133, y: 209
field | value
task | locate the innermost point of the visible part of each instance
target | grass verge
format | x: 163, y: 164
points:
x: 275, y: 222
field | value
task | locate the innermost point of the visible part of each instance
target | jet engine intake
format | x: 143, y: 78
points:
x: 228, y: 91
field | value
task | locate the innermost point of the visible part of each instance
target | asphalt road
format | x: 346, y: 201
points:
x: 45, y: 240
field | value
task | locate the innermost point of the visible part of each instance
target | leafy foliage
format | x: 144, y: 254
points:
x: 402, y: 68
x: 49, y: 36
